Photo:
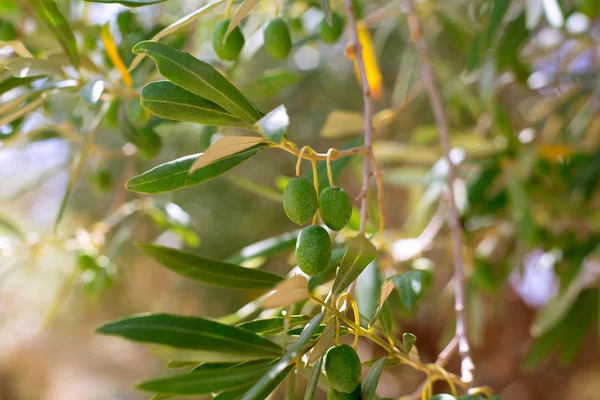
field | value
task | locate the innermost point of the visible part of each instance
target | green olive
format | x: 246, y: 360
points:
x: 342, y: 367
x: 300, y: 200
x: 7, y: 30
x: 335, y: 207
x: 331, y: 34
x: 229, y: 49
x: 278, y: 42
x: 313, y: 250
x: 333, y: 394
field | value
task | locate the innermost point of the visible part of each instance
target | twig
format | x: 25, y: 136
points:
x: 416, y: 34
x: 368, y: 114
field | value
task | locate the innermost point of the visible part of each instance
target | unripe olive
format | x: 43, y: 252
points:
x: 313, y: 250
x: 335, y: 207
x: 7, y: 30
x: 278, y: 42
x: 102, y: 180
x: 333, y: 394
x: 300, y: 200
x: 342, y: 367
x: 229, y: 49
x: 331, y: 34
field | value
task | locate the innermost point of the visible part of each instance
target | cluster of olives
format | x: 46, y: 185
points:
x: 277, y: 38
x: 342, y: 367
x: 300, y: 202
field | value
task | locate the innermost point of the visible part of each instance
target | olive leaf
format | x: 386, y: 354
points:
x: 369, y: 385
x: 211, y: 272
x: 324, y: 342
x: 225, y: 147
x: 274, y: 325
x: 290, y: 291
x: 274, y: 125
x: 326, y: 6
x: 175, y: 174
x: 199, y: 78
x: 128, y: 3
x: 266, y: 247
x: 239, y: 15
x: 167, y: 100
x: 313, y: 380
x: 359, y: 253
x: 411, y: 285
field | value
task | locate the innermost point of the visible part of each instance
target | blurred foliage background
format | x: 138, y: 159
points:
x: 519, y: 81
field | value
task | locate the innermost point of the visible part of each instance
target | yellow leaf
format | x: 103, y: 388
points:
x: 224, y: 147
x: 342, y: 123
x: 554, y: 152
x: 288, y: 292
x: 113, y: 54
x: 370, y: 60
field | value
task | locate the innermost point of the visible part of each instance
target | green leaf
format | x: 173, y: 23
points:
x: 199, y: 78
x: 258, y: 391
x: 191, y: 333
x: 92, y: 91
x: 368, y: 290
x: 369, y: 385
x: 359, y: 253
x: 206, y: 381
x: 226, y: 146
x: 408, y: 341
x: 211, y: 272
x: 174, y: 174
x: 272, y: 326
x: 240, y: 13
x: 7, y: 31
x: 499, y: 9
x: 12, y: 82
x: 48, y: 12
x: 266, y: 247
x: 313, y: 380
x: 128, y: 3
x: 33, y: 67
x: 274, y: 125
x: 411, y: 286
x: 326, y: 6
x: 167, y: 100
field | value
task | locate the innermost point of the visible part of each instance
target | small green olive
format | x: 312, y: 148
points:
x: 331, y: 34
x: 313, y: 250
x: 342, y: 367
x: 231, y: 48
x: 333, y: 394
x: 335, y: 207
x: 278, y: 42
x: 300, y: 200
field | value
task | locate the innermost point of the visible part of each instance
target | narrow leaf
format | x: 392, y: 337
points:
x: 359, y: 253
x: 24, y: 67
x: 211, y: 272
x: 274, y: 125
x: 326, y: 6
x: 324, y: 342
x: 369, y: 385
x: 288, y: 292
x: 274, y: 325
x: 225, y: 147
x: 408, y: 341
x: 239, y: 15
x: 368, y: 292
x: 199, y: 78
x: 174, y: 174
x: 313, y: 380
x: 411, y: 286
x: 128, y: 3
x: 266, y: 247
x: 113, y: 54
x: 257, y: 392
x: 206, y: 381
x: 167, y: 100
x: 190, y: 333
x: 48, y: 12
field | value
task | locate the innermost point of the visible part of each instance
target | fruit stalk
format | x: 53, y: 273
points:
x: 435, y: 100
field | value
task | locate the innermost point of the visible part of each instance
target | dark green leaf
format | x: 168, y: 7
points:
x: 7, y: 31
x: 206, y: 381
x: 499, y: 8
x: 191, y: 333
x: 211, y: 272
x: 313, y: 380
x: 408, y: 340
x: 12, y: 82
x: 128, y: 3
x: 368, y: 290
x: 167, y: 100
x: 274, y: 325
x: 274, y: 125
x: 369, y: 385
x: 258, y: 391
x: 411, y: 285
x: 174, y: 174
x: 199, y: 78
x: 359, y: 253
x: 48, y: 12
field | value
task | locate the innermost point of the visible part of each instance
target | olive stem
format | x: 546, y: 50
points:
x: 416, y: 33
x: 329, y: 173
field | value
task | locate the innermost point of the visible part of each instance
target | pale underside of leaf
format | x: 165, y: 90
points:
x: 288, y: 292
x: 241, y: 12
x: 224, y: 147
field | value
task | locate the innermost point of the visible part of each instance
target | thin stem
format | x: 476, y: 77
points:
x: 416, y: 33
x: 368, y: 114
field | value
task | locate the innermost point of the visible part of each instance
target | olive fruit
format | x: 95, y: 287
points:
x: 331, y: 34
x: 229, y: 49
x: 278, y: 42
x: 333, y: 394
x: 7, y: 30
x: 342, y: 367
x: 101, y: 180
x: 313, y: 250
x: 335, y: 207
x: 300, y: 200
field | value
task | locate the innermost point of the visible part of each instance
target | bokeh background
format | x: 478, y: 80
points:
x: 520, y: 85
